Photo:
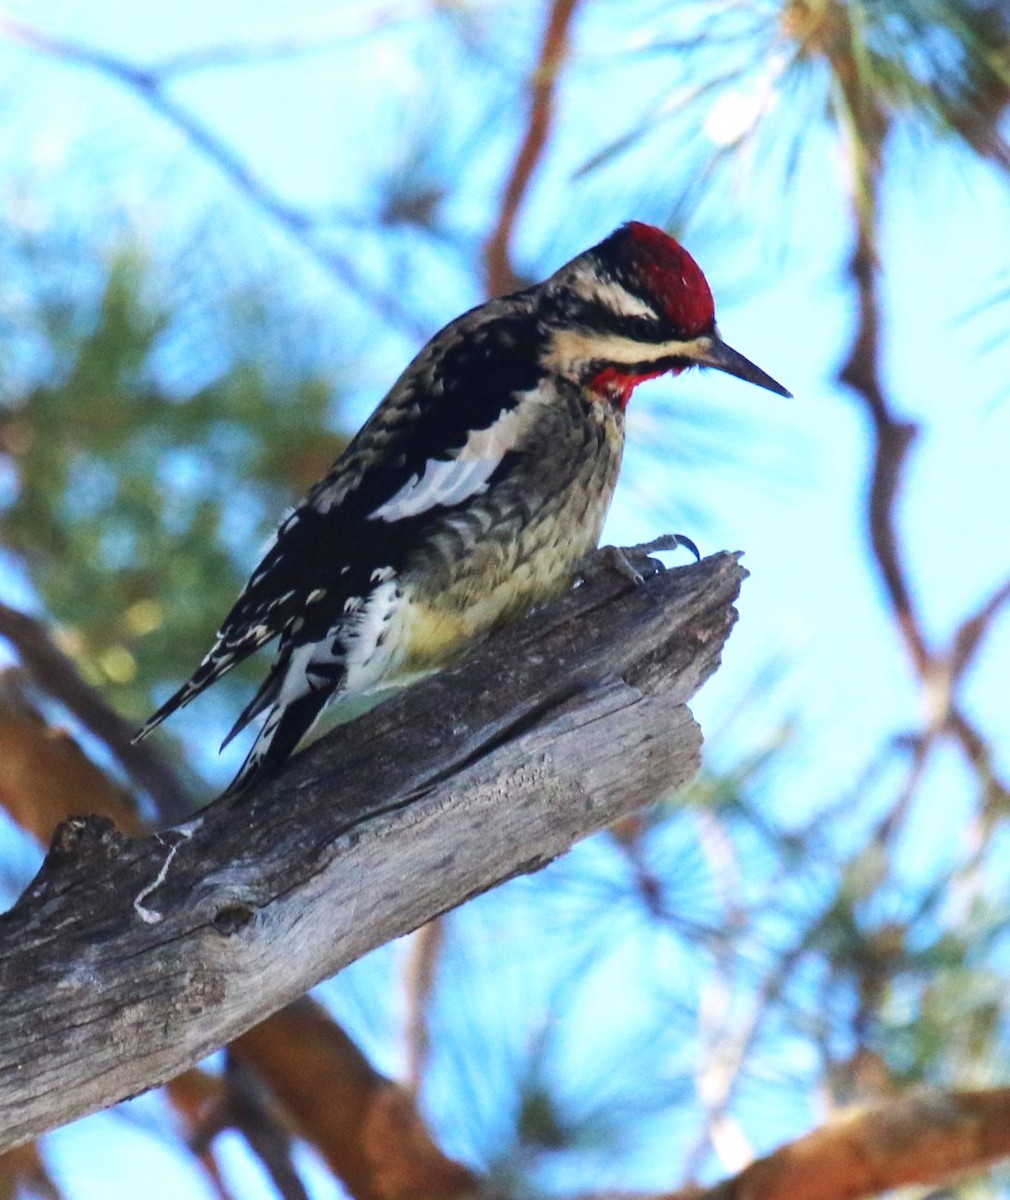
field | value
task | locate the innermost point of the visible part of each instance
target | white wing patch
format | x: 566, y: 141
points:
x: 443, y: 482
x: 607, y: 292
x: 451, y: 481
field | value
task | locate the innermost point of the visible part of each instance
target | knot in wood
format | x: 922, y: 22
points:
x: 93, y: 838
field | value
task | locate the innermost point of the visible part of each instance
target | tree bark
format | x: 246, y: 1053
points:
x: 128, y: 960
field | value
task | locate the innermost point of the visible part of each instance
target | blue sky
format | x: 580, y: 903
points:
x: 782, y: 480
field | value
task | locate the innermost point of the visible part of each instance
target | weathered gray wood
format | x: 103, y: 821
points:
x: 128, y: 960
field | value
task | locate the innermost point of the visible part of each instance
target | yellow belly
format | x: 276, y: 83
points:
x: 515, y: 564
x: 443, y: 627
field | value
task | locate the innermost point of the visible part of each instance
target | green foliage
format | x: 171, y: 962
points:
x: 810, y: 921
x: 137, y: 506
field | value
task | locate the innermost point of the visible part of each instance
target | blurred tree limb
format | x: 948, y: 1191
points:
x: 419, y: 986
x: 927, y: 1137
x: 161, y: 949
x: 320, y: 35
x: 366, y: 1126
x: 55, y: 673
x: 151, y: 85
x: 864, y: 117
x: 500, y: 270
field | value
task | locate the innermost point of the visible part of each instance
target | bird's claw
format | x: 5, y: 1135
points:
x: 666, y: 541
x: 634, y: 562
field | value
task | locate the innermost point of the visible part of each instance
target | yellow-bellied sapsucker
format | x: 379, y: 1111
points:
x: 473, y: 490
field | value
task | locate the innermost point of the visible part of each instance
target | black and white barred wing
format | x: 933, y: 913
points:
x: 278, y: 589
x: 441, y: 436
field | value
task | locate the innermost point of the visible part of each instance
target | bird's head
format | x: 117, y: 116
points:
x: 634, y: 307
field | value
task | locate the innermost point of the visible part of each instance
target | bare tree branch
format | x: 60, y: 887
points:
x: 249, y: 1112
x: 939, y: 673
x: 500, y: 272
x: 979, y: 756
x: 424, y: 956
x: 973, y: 630
x: 198, y: 1099
x: 719, y: 1074
x: 366, y: 1127
x: 925, y: 1137
x: 330, y: 31
x: 55, y: 675
x: 312, y: 1067
x: 23, y: 1173
x: 148, y: 953
x: 892, y: 437
x: 45, y: 776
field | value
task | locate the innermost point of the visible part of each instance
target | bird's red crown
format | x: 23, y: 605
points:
x: 671, y: 274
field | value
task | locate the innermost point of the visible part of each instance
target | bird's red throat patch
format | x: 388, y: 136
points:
x: 611, y: 383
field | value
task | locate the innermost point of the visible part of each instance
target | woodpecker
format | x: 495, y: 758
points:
x: 472, y: 491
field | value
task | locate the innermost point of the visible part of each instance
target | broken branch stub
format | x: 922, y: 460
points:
x: 146, y: 954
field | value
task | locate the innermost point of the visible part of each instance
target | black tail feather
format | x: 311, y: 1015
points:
x: 280, y: 735
x: 267, y: 695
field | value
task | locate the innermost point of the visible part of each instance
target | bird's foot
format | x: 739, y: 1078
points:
x: 634, y: 562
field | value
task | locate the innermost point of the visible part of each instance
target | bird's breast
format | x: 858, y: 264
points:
x: 516, y: 546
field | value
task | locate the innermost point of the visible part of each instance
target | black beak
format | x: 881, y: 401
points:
x: 725, y: 358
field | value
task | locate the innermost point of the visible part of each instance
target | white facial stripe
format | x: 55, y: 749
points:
x: 570, y: 350
x: 585, y: 280
x: 618, y: 299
